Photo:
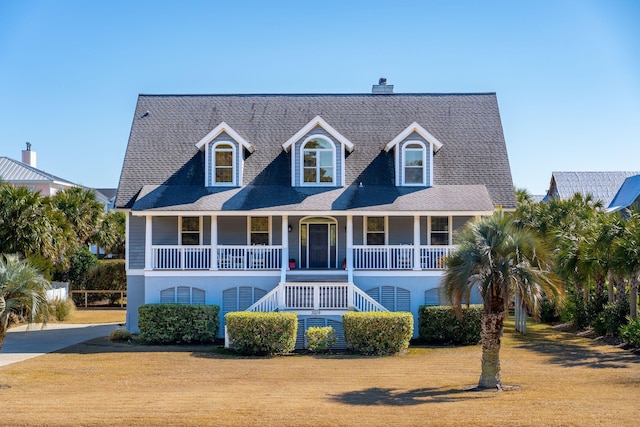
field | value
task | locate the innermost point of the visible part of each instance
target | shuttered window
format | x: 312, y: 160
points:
x: 184, y: 295
x: 391, y: 297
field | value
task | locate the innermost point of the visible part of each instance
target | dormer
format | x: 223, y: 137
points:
x: 414, y: 148
x: 318, y: 155
x: 224, y: 156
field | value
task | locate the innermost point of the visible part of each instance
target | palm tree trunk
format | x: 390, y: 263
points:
x: 492, y: 323
x: 621, y: 288
x: 633, y: 296
x: 611, y: 282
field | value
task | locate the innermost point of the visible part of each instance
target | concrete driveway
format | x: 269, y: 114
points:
x: 22, y: 343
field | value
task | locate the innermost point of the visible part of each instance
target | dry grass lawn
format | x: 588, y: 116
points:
x: 111, y: 315
x: 565, y: 380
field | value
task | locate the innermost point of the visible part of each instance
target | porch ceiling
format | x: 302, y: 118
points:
x: 286, y: 198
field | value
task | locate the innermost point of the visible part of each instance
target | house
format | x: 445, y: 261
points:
x: 315, y: 203
x: 628, y: 196
x: 602, y: 186
x: 26, y: 174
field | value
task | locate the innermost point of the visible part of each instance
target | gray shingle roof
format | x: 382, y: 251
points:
x: 602, y: 186
x: 162, y: 152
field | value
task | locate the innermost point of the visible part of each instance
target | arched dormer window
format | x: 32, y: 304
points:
x: 224, y: 163
x: 319, y: 161
x: 414, y: 159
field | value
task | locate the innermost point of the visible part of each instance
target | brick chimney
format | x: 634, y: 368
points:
x: 28, y: 156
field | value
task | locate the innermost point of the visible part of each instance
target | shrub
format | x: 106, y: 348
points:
x: 612, y: 317
x: 549, y: 311
x: 320, y: 339
x: 61, y: 309
x: 630, y: 333
x: 575, y: 310
x: 440, y: 325
x: 108, y: 275
x: 120, y: 335
x: 378, y: 332
x: 178, y: 323
x: 260, y: 333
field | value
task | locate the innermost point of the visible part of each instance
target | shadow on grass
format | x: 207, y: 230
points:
x: 392, y: 397
x: 566, y: 349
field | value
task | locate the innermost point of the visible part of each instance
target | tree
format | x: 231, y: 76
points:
x: 503, y: 260
x: 82, y: 210
x: 627, y: 249
x: 111, y: 235
x: 22, y: 291
x: 31, y: 226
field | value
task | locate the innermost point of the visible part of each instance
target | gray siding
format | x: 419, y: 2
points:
x: 206, y: 230
x: 165, y: 231
x: 460, y: 221
x: 358, y: 227
x: 136, y: 242
x: 232, y: 230
x: 400, y: 230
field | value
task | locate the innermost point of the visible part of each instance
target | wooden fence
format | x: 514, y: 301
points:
x: 86, y: 292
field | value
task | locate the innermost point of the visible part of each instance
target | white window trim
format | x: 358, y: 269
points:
x: 404, y: 161
x: 200, y: 223
x: 302, y: 183
x: 234, y: 164
x: 450, y: 228
x: 270, y: 227
x: 365, y: 227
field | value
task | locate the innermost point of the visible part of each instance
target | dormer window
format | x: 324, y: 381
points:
x: 224, y: 151
x: 319, y: 161
x: 224, y: 163
x: 414, y: 159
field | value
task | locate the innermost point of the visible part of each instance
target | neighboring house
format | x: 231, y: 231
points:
x: 628, y: 196
x: 106, y: 196
x: 602, y: 186
x: 362, y: 192
x: 25, y: 174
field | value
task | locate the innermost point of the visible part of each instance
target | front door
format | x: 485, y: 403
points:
x: 318, y: 245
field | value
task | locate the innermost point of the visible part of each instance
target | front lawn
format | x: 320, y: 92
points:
x: 564, y: 379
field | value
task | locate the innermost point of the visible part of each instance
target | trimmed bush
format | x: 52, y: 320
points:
x: 62, y: 309
x: 440, y: 325
x: 630, y: 333
x: 612, y: 317
x: 258, y: 333
x: 120, y: 335
x: 378, y: 333
x: 178, y: 323
x: 320, y: 339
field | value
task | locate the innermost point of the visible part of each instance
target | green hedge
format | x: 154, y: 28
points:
x: 378, y: 332
x: 178, y: 323
x: 320, y: 338
x: 440, y: 325
x: 262, y: 333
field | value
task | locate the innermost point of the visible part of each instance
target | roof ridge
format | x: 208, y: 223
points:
x: 316, y: 94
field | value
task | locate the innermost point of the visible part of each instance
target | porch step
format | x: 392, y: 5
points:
x: 315, y: 277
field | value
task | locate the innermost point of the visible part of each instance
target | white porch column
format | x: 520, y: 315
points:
x: 350, y: 248
x: 417, y: 263
x: 214, y: 243
x: 285, y: 248
x: 148, y: 238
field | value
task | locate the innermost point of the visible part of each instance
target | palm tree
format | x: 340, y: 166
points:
x: 111, y: 235
x: 627, y: 249
x: 22, y: 291
x: 82, y: 210
x: 502, y: 260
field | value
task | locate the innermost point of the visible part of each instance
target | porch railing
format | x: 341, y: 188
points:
x: 316, y: 296
x: 173, y: 257
x: 399, y: 257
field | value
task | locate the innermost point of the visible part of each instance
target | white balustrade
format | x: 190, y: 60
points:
x: 433, y: 257
x: 173, y: 257
x: 399, y: 257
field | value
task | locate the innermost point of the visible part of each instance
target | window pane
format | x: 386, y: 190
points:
x: 439, y: 223
x: 259, y: 223
x: 317, y: 143
x: 224, y: 175
x: 309, y: 158
x: 326, y: 158
x: 413, y: 158
x: 190, y: 238
x: 375, y: 223
x: 375, y: 238
x: 259, y: 238
x: 190, y: 223
x: 418, y: 146
x: 439, y: 238
x: 413, y: 176
x: 224, y: 158
x: 309, y: 175
x: 326, y: 174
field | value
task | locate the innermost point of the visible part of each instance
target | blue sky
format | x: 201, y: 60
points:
x: 566, y: 73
